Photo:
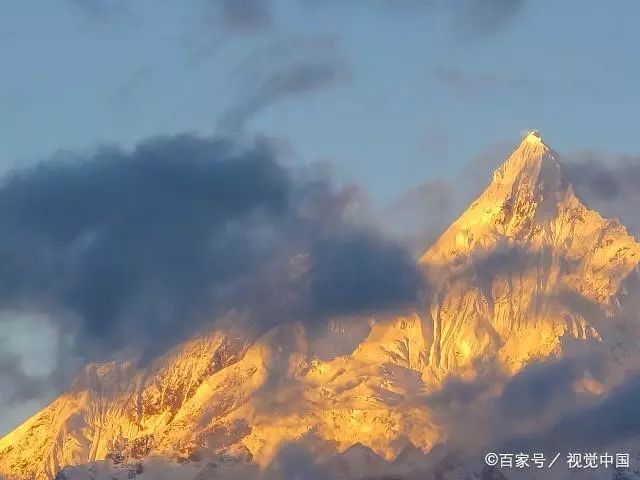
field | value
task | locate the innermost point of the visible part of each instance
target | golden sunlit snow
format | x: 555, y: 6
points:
x: 509, y: 281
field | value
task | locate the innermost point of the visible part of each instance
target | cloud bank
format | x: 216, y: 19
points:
x: 134, y: 251
x: 607, y: 183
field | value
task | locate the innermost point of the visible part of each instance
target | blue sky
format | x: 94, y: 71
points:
x: 421, y: 89
x: 391, y: 94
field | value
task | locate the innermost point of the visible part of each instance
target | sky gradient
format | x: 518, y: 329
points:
x: 418, y: 89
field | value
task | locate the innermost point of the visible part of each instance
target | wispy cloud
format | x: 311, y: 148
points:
x: 481, y: 17
x: 283, y: 70
x: 135, y: 82
x: 607, y: 183
x: 245, y: 15
x: 468, y: 18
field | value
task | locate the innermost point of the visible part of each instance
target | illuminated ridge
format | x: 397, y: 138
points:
x: 504, y: 280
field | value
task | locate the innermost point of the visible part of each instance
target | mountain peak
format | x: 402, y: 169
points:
x: 504, y: 271
x: 534, y: 137
x: 522, y: 199
x: 532, y: 164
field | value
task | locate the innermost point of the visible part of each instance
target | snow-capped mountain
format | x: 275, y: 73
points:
x: 517, y: 270
x: 525, y: 273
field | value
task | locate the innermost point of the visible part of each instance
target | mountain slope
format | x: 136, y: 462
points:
x: 526, y: 264
x: 275, y: 393
x: 524, y: 269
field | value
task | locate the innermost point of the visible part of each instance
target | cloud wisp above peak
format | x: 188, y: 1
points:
x: 467, y: 18
x: 245, y: 15
x: 284, y: 69
x: 482, y: 17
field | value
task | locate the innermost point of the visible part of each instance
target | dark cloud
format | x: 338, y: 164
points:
x: 220, y: 22
x: 295, y: 461
x: 613, y: 420
x: 245, y: 15
x: 16, y: 385
x: 283, y: 70
x: 135, y: 81
x: 608, y: 421
x: 481, y: 17
x: 460, y: 392
x: 392, y: 282
x: 103, y: 235
x: 296, y: 79
x: 469, y: 19
x: 137, y: 250
x: 498, y: 411
x: 543, y: 408
x: 607, y: 183
x: 536, y: 388
x: 504, y: 260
